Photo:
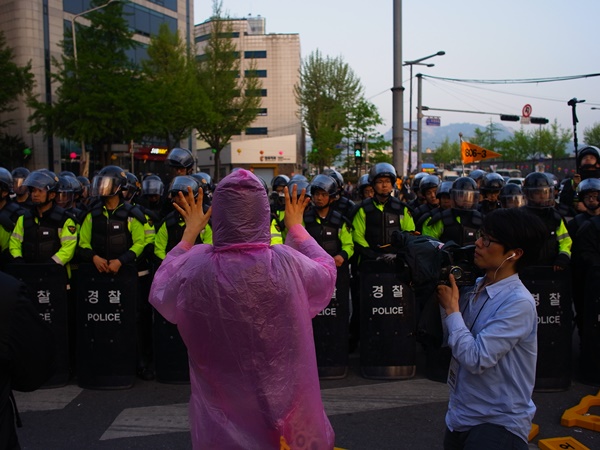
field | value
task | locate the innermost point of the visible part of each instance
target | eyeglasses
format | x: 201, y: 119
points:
x: 591, y: 197
x: 485, y: 239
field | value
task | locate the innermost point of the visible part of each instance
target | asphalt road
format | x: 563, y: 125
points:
x: 365, y: 414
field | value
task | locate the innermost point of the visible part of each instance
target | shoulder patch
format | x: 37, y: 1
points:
x: 72, y: 229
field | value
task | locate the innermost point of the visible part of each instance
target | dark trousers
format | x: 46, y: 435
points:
x: 485, y: 436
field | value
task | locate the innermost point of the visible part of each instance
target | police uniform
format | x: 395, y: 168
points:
x: 455, y: 225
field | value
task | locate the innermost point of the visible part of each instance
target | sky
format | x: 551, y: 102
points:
x: 483, y: 40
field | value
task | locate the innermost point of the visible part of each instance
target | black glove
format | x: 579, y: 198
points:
x: 562, y: 260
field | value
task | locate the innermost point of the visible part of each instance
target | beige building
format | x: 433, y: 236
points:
x: 274, y: 143
x: 34, y: 29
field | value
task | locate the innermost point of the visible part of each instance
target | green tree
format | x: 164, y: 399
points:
x: 447, y: 153
x: 100, y: 96
x: 231, y: 98
x: 171, y: 87
x: 591, y: 135
x: 540, y: 142
x: 16, y: 80
x: 326, y: 92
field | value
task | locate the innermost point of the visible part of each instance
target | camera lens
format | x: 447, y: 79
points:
x: 456, y: 272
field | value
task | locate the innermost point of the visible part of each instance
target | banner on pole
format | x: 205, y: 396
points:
x: 472, y: 153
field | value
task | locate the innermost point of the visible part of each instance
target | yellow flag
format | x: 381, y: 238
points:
x: 472, y: 153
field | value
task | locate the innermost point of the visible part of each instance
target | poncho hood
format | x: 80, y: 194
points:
x: 241, y: 213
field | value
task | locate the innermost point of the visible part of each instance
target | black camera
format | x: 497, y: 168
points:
x: 458, y: 261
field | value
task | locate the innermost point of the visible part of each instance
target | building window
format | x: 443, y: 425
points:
x: 255, y: 54
x: 257, y: 130
x: 261, y: 112
x: 256, y: 73
x: 256, y: 92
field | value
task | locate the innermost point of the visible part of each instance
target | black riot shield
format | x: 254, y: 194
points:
x: 552, y: 294
x: 387, y: 323
x: 47, y: 284
x: 330, y: 330
x: 170, y: 353
x: 590, y: 335
x: 106, y: 332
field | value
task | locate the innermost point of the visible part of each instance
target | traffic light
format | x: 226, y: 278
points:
x: 538, y: 120
x: 509, y: 118
x: 358, y: 153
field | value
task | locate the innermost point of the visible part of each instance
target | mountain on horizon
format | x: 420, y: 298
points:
x: 433, y: 136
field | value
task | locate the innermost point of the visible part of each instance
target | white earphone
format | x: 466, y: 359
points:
x: 511, y: 256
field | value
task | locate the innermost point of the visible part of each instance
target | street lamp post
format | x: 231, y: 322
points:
x: 84, y: 163
x: 416, y: 62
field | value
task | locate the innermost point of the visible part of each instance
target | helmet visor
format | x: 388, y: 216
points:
x: 104, y: 186
x: 512, y: 201
x: 466, y: 200
x: 153, y: 187
x: 540, y: 197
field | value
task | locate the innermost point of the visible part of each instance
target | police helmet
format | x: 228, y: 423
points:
x: 588, y: 150
x: 416, y: 181
x: 298, y: 177
x: 363, y: 182
x: 381, y: 170
x: 511, y: 196
x: 444, y: 189
x: 264, y: 183
x: 180, y: 158
x: 538, y: 190
x: 6, y: 180
x: 464, y: 194
x: 477, y: 174
x: 491, y: 182
x: 65, y: 184
x: 280, y: 180
x: 67, y: 173
x: 85, y: 182
x: 19, y: 174
x: 339, y: 179
x: 181, y: 184
x: 42, y: 179
x: 109, y: 181
x: 301, y: 184
x: 152, y: 185
x: 324, y: 182
x: 429, y: 182
x: 66, y: 190
x: 588, y: 186
x: 205, y: 181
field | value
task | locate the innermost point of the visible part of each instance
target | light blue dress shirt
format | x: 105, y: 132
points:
x: 494, y: 343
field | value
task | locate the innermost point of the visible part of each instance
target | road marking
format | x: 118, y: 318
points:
x: 389, y: 395
x: 46, y: 399
x: 146, y: 421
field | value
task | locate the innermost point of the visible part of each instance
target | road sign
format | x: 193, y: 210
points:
x: 525, y: 120
x: 433, y: 121
x: 526, y: 110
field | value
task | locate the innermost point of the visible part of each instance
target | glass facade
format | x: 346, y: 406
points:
x: 78, y: 6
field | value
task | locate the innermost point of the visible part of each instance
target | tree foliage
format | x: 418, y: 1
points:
x: 100, y: 96
x: 363, y: 120
x: 591, y: 135
x: 326, y: 93
x: 231, y: 98
x: 16, y: 80
x: 447, y: 153
x: 172, y: 90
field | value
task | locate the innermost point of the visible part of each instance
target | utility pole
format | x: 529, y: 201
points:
x: 398, y: 93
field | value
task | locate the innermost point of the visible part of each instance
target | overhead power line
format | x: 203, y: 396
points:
x: 516, y: 80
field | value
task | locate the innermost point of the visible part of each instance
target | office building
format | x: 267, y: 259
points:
x: 34, y: 30
x: 274, y: 143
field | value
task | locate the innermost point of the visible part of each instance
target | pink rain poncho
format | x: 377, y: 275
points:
x: 244, y: 310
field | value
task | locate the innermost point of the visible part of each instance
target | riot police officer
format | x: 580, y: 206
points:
x: 418, y: 199
x: 428, y: 189
x: 378, y: 217
x: 461, y: 222
x: 21, y: 192
x: 46, y: 233
x: 491, y: 185
x: 332, y: 232
x: 9, y: 213
x: 340, y: 203
x: 511, y: 196
x: 539, y: 193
